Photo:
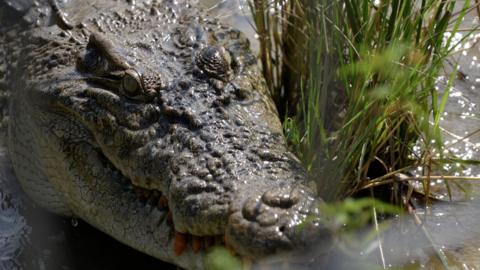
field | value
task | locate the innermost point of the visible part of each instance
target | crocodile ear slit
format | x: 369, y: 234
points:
x: 106, y: 48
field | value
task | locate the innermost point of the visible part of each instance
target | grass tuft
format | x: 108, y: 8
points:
x: 356, y: 84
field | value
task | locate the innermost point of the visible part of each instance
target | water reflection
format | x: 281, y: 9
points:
x: 443, y: 234
x: 13, y: 227
x: 233, y: 12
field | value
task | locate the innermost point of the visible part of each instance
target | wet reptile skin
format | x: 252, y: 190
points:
x: 120, y: 104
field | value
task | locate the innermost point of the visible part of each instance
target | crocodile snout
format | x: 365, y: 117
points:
x: 276, y: 221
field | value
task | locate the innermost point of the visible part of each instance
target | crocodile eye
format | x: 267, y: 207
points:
x: 132, y: 83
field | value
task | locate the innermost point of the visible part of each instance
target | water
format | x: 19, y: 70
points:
x: 444, y: 235
x: 236, y: 13
x: 31, y: 238
x: 12, y: 224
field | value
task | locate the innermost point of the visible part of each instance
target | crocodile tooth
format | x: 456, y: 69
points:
x: 159, y: 204
x: 230, y: 248
x: 163, y: 202
x: 196, y: 243
x: 169, y: 218
x: 180, y: 243
x: 208, y: 241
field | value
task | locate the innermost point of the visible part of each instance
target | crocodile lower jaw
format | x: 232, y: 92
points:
x: 155, y: 198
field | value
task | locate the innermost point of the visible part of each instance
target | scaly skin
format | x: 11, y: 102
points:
x: 115, y: 113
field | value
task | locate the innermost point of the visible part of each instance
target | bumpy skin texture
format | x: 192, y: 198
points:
x: 163, y: 98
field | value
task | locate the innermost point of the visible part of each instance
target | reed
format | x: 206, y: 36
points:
x: 356, y: 84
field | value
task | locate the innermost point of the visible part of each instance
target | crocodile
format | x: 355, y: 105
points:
x: 151, y: 121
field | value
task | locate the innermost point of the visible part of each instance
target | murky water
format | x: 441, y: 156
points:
x: 449, y: 236
x: 31, y: 238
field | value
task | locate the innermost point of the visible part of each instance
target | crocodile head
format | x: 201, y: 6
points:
x: 158, y: 123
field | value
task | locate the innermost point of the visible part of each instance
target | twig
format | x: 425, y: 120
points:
x: 404, y: 178
x: 375, y: 220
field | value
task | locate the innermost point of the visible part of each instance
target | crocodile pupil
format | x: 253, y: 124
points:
x: 131, y: 82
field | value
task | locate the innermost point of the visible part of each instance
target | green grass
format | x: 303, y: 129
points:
x: 355, y: 83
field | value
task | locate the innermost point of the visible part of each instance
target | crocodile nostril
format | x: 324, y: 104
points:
x: 281, y: 197
x: 251, y: 208
x: 267, y: 219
